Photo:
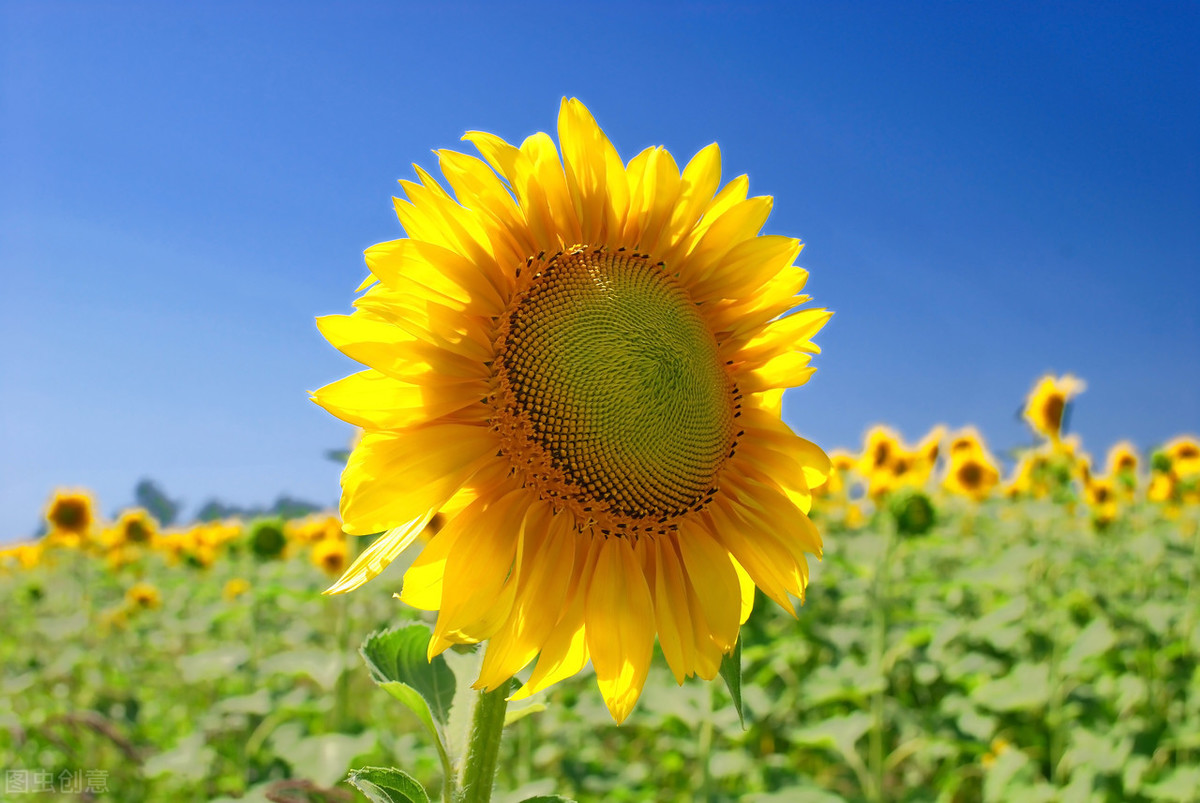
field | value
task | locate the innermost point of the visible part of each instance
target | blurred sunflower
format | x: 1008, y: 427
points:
x: 1101, y: 496
x: 135, y: 526
x: 1122, y: 459
x: 1046, y: 405
x: 972, y: 474
x: 841, y: 474
x: 143, y: 596
x: 71, y: 515
x: 234, y: 588
x: 966, y: 441
x: 23, y: 556
x: 586, y: 360
x: 1184, y: 454
x: 330, y: 556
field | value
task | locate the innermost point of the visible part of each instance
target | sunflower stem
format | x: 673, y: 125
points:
x: 483, y: 747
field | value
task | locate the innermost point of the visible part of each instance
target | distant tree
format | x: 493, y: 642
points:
x: 286, y: 507
x: 148, y: 495
x: 215, y: 510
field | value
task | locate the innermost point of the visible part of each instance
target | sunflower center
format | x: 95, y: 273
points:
x: 1053, y: 411
x: 610, y: 387
x: 971, y: 475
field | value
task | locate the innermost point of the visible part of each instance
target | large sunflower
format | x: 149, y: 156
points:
x: 580, y: 364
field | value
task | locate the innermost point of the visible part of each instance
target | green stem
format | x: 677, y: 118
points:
x: 483, y: 749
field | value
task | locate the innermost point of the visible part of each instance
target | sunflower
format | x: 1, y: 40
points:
x: 234, y: 588
x: 841, y: 474
x: 1046, y: 406
x: 580, y: 363
x: 71, y: 515
x: 143, y: 596
x: 23, y: 556
x: 972, y: 474
x: 135, y: 526
x: 1101, y: 495
x: 966, y: 441
x: 1122, y: 459
x: 1184, y: 454
x: 329, y: 555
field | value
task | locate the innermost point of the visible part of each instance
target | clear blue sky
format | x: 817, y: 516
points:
x: 986, y: 191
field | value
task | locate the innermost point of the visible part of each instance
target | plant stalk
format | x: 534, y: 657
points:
x: 483, y: 749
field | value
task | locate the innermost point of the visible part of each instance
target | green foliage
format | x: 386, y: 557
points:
x: 387, y: 785
x: 731, y: 673
x: 1020, y: 656
x: 398, y: 656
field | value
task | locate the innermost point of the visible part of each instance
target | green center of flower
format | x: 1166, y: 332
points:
x: 611, y: 371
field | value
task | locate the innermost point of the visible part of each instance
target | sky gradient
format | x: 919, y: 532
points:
x: 985, y: 195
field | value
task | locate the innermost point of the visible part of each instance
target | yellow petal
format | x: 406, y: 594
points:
x: 391, y: 350
x: 711, y: 573
x: 395, y: 478
x: 595, y: 174
x: 475, y: 591
x: 699, y: 182
x: 672, y: 614
x: 379, y: 555
x: 543, y: 588
x: 620, y: 626
x: 565, y: 652
x: 373, y: 400
x: 440, y: 269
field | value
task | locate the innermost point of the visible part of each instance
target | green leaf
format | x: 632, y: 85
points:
x: 399, y: 656
x: 387, y: 785
x: 516, y: 714
x: 548, y: 799
x: 1094, y: 640
x: 731, y: 671
x: 1178, y: 785
x: 841, y: 733
x: 325, y: 757
x: 1026, y: 687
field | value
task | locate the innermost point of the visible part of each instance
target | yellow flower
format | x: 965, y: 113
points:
x: 24, y: 556
x: 235, y: 588
x: 1047, y: 404
x: 313, y: 529
x: 71, y: 515
x: 1101, y: 496
x: 1184, y: 454
x: 998, y: 747
x: 586, y: 359
x: 136, y: 526
x: 143, y: 595
x: 1122, y: 459
x: 330, y: 555
x: 888, y: 463
x: 842, y: 467
x: 972, y: 474
x: 880, y: 446
x: 966, y: 441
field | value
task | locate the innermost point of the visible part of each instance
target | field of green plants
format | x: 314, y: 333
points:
x: 1014, y: 652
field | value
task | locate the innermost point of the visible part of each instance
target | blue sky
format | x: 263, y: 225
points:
x: 986, y: 192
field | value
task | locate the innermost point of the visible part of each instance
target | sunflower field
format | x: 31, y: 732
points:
x: 965, y: 637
